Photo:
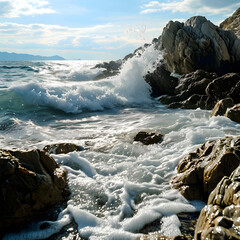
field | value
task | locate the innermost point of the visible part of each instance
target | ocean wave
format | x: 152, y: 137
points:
x: 126, y: 89
x: 26, y: 68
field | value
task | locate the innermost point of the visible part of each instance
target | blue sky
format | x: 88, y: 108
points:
x: 95, y: 29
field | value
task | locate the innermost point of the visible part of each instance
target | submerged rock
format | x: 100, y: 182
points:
x: 148, y: 138
x: 64, y: 148
x: 31, y: 182
x: 199, y: 44
x: 200, y: 171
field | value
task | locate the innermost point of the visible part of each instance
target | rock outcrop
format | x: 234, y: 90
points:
x: 232, y: 23
x: 200, y: 171
x: 190, y: 92
x: 62, y: 148
x: 148, y: 138
x: 203, y: 90
x: 234, y: 113
x: 219, y: 219
x: 31, y: 182
x: 199, y: 44
x: 161, y: 81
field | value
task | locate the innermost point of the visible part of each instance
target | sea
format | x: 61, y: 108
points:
x: 117, y: 185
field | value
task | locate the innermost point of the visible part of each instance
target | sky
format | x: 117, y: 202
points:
x: 95, y: 29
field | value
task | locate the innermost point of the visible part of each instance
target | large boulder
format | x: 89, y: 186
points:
x: 234, y: 113
x: 219, y: 219
x: 190, y: 92
x: 148, y: 138
x: 200, y: 171
x: 223, y: 86
x: 161, y: 81
x: 30, y: 183
x: 203, y: 90
x: 221, y: 107
x: 199, y: 44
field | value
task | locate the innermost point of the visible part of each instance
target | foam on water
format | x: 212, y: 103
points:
x: 126, y: 89
x: 117, y: 186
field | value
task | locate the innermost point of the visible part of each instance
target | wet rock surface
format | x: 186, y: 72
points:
x: 200, y: 171
x: 31, y: 183
x: 148, y: 138
x: 219, y: 219
x: 205, y: 90
x: 234, y: 113
x: 62, y: 148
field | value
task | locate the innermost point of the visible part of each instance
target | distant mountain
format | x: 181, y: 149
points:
x: 5, y: 56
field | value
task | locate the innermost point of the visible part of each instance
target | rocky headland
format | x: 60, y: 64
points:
x: 207, y: 59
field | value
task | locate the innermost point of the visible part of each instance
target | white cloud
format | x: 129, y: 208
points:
x: 107, y: 35
x: 192, y: 6
x: 16, y: 8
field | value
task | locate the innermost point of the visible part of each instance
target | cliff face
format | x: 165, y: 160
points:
x: 199, y: 44
x: 232, y: 23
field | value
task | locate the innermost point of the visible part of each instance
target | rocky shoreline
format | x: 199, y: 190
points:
x: 208, y: 59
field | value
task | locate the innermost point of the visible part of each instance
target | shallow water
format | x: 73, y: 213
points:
x: 117, y: 185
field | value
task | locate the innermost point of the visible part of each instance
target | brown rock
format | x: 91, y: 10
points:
x: 148, y: 138
x: 64, y: 148
x: 222, y: 106
x: 31, y: 182
x: 199, y: 172
x: 220, y: 218
x: 232, y: 23
x: 234, y: 113
x: 161, y: 237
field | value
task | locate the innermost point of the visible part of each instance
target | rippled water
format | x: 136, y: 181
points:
x: 117, y: 185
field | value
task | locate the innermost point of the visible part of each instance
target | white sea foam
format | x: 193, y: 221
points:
x: 117, y: 185
x: 127, y: 88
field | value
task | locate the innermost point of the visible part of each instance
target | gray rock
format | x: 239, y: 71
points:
x: 199, y: 44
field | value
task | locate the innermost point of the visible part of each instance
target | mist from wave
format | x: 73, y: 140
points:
x: 61, y: 87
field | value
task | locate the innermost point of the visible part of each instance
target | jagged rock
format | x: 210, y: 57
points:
x: 195, y: 82
x: 190, y: 92
x: 64, y: 148
x: 30, y: 183
x: 199, y: 44
x: 222, y: 86
x: 232, y: 23
x: 222, y: 106
x: 148, y: 138
x: 161, y: 237
x: 161, y: 81
x: 219, y: 219
x: 200, y: 171
x: 234, y: 113
x: 203, y: 90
